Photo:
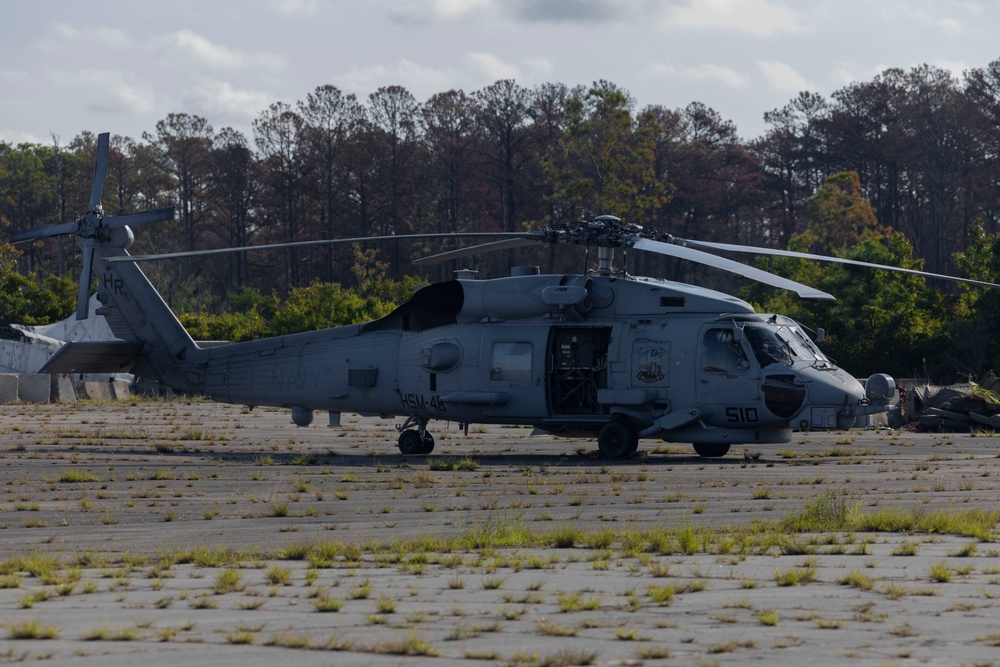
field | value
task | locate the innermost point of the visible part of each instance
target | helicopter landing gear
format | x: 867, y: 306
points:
x: 428, y: 443
x: 415, y: 441
x: 713, y: 451
x: 410, y: 443
x: 617, y: 439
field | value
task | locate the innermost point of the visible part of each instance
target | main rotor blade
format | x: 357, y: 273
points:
x: 143, y: 218
x: 738, y: 268
x: 303, y: 244
x: 42, y: 232
x: 459, y: 253
x: 83, y: 297
x: 838, y: 260
x: 100, y: 169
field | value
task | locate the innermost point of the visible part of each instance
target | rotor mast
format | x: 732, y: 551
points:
x: 607, y: 232
x: 605, y: 258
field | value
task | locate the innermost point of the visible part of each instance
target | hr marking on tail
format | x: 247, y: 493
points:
x: 116, y: 285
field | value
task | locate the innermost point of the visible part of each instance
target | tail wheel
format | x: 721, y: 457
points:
x: 617, y: 439
x: 711, y: 451
x: 428, y: 443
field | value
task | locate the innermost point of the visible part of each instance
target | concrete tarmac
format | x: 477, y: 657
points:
x: 185, y: 531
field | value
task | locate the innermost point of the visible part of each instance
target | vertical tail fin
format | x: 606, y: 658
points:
x: 133, y: 307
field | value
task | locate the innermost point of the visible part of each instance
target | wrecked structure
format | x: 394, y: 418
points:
x: 957, y: 408
x: 24, y: 351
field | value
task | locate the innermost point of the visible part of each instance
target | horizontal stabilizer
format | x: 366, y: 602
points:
x: 116, y: 356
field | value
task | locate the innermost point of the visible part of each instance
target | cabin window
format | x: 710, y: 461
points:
x: 723, y: 353
x: 511, y: 362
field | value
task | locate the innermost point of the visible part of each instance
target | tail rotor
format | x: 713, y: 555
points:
x: 94, y: 229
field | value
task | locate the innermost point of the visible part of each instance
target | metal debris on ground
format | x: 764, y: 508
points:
x: 957, y: 408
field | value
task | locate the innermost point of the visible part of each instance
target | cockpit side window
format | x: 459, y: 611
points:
x: 723, y: 353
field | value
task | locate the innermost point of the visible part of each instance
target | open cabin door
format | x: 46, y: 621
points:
x: 578, y: 367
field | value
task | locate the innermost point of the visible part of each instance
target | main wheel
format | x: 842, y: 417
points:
x: 410, y: 443
x: 617, y: 439
x: 428, y: 443
x: 711, y: 451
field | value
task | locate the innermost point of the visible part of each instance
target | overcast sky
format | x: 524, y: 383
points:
x: 123, y: 65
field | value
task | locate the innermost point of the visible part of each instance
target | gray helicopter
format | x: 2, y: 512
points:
x: 602, y: 354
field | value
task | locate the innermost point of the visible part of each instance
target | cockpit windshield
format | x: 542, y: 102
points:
x: 802, y: 346
x: 767, y: 347
x: 782, y: 340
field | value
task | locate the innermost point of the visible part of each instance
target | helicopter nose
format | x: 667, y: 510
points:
x: 829, y: 391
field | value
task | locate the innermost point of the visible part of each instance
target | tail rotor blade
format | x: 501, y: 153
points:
x: 143, y: 218
x: 83, y: 298
x: 42, y: 232
x: 100, y: 169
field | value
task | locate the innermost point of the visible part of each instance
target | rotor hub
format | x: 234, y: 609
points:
x: 91, y: 225
x: 604, y: 231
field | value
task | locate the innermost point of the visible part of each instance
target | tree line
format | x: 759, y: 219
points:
x: 923, y: 145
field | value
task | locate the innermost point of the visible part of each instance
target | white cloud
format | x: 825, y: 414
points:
x: 14, y: 137
x: 956, y: 67
x: 717, y: 73
x: 111, y: 91
x: 951, y: 27
x: 222, y: 97
x: 99, y: 37
x: 698, y: 74
x: 783, y: 78
x: 602, y: 12
x: 420, y: 81
x: 847, y: 73
x: 538, y: 69
x: 452, y: 9
x: 295, y: 7
x: 476, y: 69
x: 12, y: 74
x: 216, y: 56
x: 759, y: 17
x: 952, y: 19
x: 493, y: 68
x: 424, y: 11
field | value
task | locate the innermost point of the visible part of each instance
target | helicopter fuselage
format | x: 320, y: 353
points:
x: 563, y: 353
